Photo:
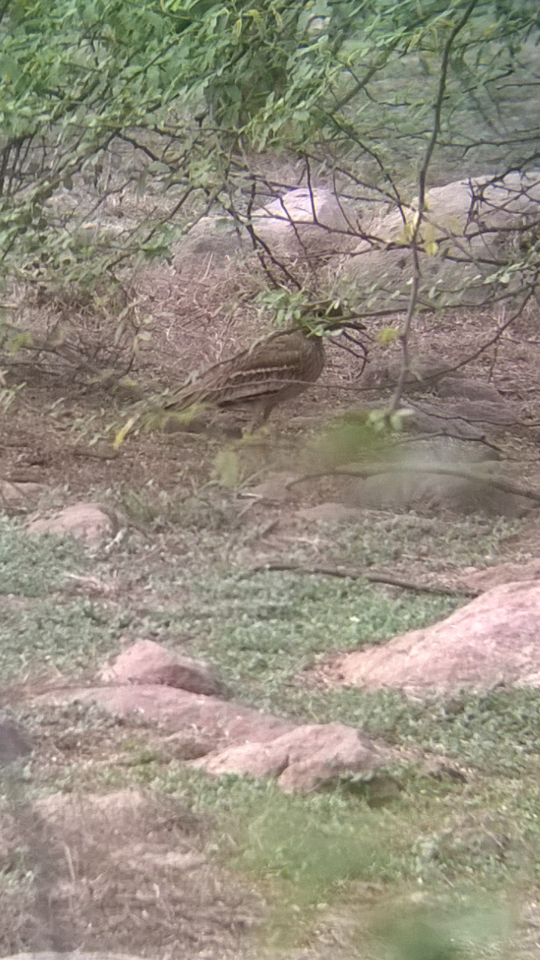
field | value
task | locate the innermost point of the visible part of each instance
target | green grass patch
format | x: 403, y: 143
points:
x: 40, y: 627
x: 496, y: 732
x: 33, y: 566
x: 262, y: 630
x: 430, y: 833
x: 67, y: 636
x: 385, y: 538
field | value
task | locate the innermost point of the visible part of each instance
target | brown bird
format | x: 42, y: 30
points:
x: 269, y: 372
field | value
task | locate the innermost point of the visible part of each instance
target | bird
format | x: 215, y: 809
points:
x: 269, y: 372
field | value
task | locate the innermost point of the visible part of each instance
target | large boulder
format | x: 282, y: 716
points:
x: 491, y: 640
x: 465, y: 225
x: 301, y: 222
x: 309, y: 221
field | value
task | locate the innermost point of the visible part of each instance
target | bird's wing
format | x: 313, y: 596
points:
x: 262, y: 369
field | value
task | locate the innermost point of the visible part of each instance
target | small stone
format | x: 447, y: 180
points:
x: 91, y: 522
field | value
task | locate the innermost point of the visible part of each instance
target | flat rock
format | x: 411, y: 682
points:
x: 425, y: 370
x: 496, y: 576
x: 177, y: 710
x: 493, y: 639
x: 468, y: 389
x: 330, y: 513
x: 303, y: 759
x: 463, y: 418
x: 433, y: 494
x: 441, y: 450
x: 148, y: 662
x: 239, y: 739
x: 90, y: 522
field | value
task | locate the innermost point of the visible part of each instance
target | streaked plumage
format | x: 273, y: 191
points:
x: 267, y: 373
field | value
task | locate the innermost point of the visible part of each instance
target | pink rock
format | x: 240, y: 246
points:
x: 243, y: 740
x: 178, y: 710
x: 482, y: 580
x: 91, y: 522
x: 148, y: 662
x: 301, y: 759
x: 492, y: 639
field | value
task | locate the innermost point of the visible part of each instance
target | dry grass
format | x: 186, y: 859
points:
x: 119, y: 872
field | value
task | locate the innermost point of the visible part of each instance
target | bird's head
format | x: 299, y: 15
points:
x: 332, y: 319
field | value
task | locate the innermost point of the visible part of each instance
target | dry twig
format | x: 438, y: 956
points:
x: 328, y: 570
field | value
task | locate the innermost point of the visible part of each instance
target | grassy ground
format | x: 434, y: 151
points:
x: 437, y: 853
x: 435, y: 857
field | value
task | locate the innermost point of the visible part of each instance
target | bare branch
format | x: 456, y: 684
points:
x: 349, y: 573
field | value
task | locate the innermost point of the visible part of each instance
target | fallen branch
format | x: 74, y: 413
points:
x: 380, y: 469
x: 327, y: 570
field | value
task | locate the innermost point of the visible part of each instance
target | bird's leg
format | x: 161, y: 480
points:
x: 262, y: 411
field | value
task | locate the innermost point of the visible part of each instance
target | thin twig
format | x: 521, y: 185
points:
x: 328, y: 570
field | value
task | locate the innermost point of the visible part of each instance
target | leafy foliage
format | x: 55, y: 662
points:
x: 319, y: 78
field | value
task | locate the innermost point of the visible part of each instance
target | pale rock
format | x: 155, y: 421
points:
x: 501, y: 573
x: 241, y: 740
x: 91, y: 522
x: 303, y: 759
x: 330, y: 513
x: 463, y: 219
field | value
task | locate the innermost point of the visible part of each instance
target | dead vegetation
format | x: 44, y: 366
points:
x: 99, y: 872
